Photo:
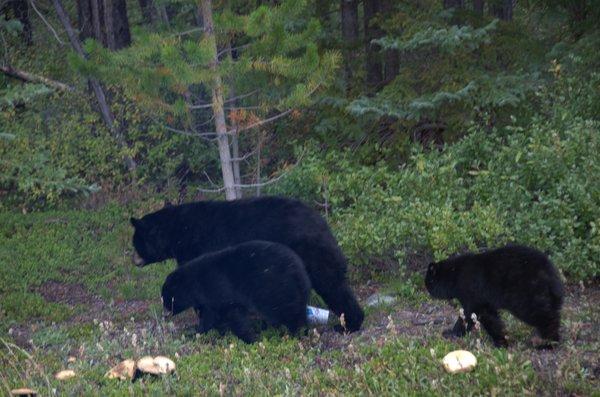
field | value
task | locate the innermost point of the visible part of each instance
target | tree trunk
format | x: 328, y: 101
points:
x: 98, y: 21
x: 235, y: 149
x: 235, y: 138
x: 109, y: 25
x: 391, y: 64
x: 148, y: 11
x: 20, y: 12
x: 84, y: 19
x: 502, y: 9
x: 106, y: 21
x: 453, y: 3
x: 478, y: 6
x: 105, y: 111
x: 322, y: 8
x: 349, y: 18
x: 164, y: 15
x: 120, y: 24
x: 374, y: 75
x: 217, y: 103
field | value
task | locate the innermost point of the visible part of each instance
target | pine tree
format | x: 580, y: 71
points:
x: 187, y: 77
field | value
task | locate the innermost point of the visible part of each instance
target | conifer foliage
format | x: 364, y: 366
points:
x: 229, y: 76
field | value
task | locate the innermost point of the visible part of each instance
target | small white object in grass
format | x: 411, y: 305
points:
x: 23, y: 392
x: 65, y: 374
x: 124, y: 370
x: 156, y: 365
x: 71, y: 359
x: 316, y: 316
x: 459, y: 361
x: 379, y: 300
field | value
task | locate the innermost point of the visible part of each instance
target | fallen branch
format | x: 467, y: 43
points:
x: 33, y: 78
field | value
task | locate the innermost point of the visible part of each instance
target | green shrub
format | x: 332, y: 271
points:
x: 538, y: 185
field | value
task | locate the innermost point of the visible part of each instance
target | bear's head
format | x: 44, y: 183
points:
x: 150, y: 241
x: 440, y: 279
x: 176, y: 295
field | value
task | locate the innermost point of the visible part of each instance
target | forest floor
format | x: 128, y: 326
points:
x: 100, y: 309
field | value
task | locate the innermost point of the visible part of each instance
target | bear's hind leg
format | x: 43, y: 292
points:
x: 492, y: 323
x: 326, y: 268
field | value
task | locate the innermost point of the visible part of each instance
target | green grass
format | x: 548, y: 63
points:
x: 92, y: 249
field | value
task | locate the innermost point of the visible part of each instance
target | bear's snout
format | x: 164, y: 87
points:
x: 138, y: 260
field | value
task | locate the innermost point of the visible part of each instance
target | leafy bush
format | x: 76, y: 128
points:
x: 538, y: 185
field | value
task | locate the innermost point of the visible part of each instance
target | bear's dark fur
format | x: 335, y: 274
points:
x: 519, y: 279
x: 227, y: 286
x: 187, y: 231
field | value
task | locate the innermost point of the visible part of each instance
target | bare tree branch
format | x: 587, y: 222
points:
x: 246, y: 186
x: 255, y: 185
x: 209, y: 105
x: 186, y: 32
x: 244, y: 157
x: 32, y: 78
x: 265, y: 121
x: 203, y: 135
x: 46, y: 22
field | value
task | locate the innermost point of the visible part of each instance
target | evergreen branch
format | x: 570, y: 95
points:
x: 446, y: 39
x: 252, y: 185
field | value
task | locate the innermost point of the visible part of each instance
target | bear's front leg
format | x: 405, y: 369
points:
x: 240, y: 324
x: 463, y: 325
x: 491, y: 322
x: 207, y: 319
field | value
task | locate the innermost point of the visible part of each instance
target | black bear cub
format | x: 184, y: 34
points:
x: 187, y: 231
x: 519, y: 279
x: 226, y: 287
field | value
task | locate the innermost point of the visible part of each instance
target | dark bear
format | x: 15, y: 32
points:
x: 227, y: 287
x: 187, y: 231
x: 519, y: 279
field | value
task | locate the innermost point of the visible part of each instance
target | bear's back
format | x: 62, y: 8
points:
x: 201, y: 227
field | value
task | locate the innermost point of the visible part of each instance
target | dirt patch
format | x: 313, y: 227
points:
x: 70, y: 294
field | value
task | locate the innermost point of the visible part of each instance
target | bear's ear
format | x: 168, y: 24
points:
x: 431, y: 268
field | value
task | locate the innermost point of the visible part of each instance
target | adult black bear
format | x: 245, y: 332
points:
x: 227, y: 286
x: 187, y: 231
x: 519, y: 279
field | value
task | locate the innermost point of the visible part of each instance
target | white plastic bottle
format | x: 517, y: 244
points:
x: 317, y: 316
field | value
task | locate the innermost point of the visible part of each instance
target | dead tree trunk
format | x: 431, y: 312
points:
x: 120, y: 24
x: 349, y: 20
x: 148, y: 11
x: 374, y: 75
x: 502, y: 9
x: 453, y: 3
x: 33, y: 78
x: 217, y: 103
x: 391, y: 64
